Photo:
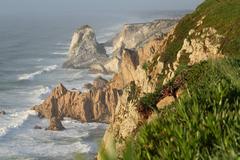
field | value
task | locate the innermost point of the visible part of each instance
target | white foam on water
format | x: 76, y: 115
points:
x: 60, y: 53
x: 14, y: 120
x: 29, y: 142
x: 30, y: 76
x: 40, y: 93
x: 62, y: 44
x: 109, y: 50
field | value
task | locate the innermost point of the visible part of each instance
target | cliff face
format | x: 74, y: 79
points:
x: 196, y: 38
x: 84, y: 49
x: 147, y: 59
x: 132, y: 36
x: 135, y: 81
x: 98, y: 104
x: 146, y: 68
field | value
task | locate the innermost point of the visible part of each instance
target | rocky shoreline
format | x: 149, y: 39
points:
x: 149, y: 65
x: 139, y: 64
x: 99, y: 102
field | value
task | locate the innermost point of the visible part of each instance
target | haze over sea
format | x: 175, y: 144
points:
x: 34, y: 41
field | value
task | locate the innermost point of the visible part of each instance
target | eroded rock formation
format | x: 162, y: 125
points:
x: 84, y: 49
x: 140, y: 50
x: 147, y: 68
x: 95, y: 105
x: 133, y: 35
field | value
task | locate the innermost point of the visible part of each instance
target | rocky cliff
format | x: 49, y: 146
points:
x: 145, y: 73
x: 133, y: 36
x: 145, y: 82
x: 95, y: 105
x: 84, y: 49
x: 98, y: 104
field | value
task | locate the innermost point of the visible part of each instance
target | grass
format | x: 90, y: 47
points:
x: 203, y: 124
x: 223, y: 15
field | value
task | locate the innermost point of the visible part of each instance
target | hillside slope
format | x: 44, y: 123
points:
x: 211, y: 34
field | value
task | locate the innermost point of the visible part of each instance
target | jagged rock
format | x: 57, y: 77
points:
x: 2, y: 112
x: 112, y: 65
x: 84, y: 49
x: 127, y: 118
x: 55, y: 125
x: 99, y: 82
x: 125, y: 122
x: 134, y: 35
x: 88, y: 86
x: 95, y: 105
x: 198, y: 46
x: 97, y: 68
x: 203, y: 47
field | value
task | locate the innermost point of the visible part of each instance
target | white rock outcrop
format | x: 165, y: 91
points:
x: 84, y: 49
x: 133, y: 35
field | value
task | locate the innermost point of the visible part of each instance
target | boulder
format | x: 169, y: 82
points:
x: 2, y: 112
x: 166, y: 101
x: 99, y: 82
x: 84, y: 49
x: 55, y: 125
x: 37, y: 127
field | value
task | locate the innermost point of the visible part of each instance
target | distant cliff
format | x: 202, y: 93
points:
x: 135, y: 35
x: 132, y: 37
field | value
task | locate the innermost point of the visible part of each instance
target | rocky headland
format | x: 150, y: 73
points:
x: 99, y: 102
x: 132, y: 36
x: 146, y: 62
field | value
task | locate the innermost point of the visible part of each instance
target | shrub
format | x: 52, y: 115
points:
x: 203, y: 124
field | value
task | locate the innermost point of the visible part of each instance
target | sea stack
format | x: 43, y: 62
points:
x: 84, y: 49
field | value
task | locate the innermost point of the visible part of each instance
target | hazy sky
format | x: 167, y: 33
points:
x: 16, y: 6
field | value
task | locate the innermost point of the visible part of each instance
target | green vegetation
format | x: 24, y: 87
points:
x: 145, y: 66
x: 223, y: 15
x: 203, y: 124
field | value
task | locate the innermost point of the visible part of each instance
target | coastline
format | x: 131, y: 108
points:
x: 26, y: 117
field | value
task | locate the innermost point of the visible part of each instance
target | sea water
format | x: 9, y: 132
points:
x: 33, y: 47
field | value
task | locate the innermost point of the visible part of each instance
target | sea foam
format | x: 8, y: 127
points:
x: 31, y: 76
x: 60, y: 53
x: 14, y: 120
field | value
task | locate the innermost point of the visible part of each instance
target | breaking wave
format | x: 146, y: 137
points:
x: 31, y: 76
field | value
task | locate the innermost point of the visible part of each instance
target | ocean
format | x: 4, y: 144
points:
x: 33, y: 47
